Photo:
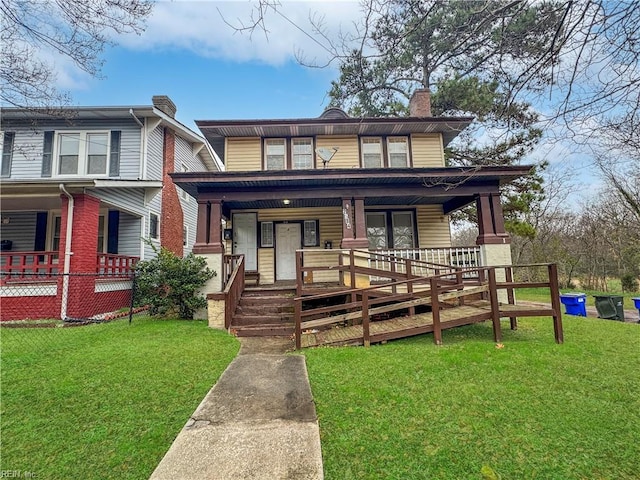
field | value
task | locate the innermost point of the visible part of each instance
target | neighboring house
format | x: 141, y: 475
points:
x: 336, y: 182
x: 88, y: 191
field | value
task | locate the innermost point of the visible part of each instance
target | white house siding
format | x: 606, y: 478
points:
x: 129, y: 235
x: 21, y: 230
x: 128, y: 199
x: 29, y: 140
x: 154, y: 154
x: 154, y: 206
x: 27, y: 154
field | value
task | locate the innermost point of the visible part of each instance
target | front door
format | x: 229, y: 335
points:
x: 288, y: 237
x: 245, y: 239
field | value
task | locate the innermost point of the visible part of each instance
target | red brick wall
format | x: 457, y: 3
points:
x: 172, y: 218
x: 23, y: 308
x: 84, y: 246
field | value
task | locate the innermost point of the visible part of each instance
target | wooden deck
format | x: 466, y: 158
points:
x: 418, y: 324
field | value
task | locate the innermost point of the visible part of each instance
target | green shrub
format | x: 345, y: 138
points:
x: 169, y: 284
x: 629, y: 283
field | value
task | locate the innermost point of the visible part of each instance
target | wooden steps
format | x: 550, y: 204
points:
x: 264, y: 312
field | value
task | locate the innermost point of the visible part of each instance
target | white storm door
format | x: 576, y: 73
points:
x: 245, y: 238
x: 287, y: 242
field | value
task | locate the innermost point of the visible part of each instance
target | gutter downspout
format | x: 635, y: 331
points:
x: 67, y: 254
x: 143, y: 144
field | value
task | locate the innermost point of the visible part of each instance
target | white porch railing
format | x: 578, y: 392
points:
x: 465, y: 257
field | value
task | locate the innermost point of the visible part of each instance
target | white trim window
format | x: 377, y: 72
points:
x: 56, y: 227
x: 398, y: 148
x: 266, y: 234
x: 275, y: 154
x: 402, y: 230
x: 302, y: 152
x: 377, y: 229
x: 371, y: 152
x: 82, y: 154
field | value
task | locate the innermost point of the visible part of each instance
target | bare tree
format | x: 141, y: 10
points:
x: 35, y: 30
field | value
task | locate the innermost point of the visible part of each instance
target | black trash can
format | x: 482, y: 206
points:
x: 610, y: 307
x: 6, y: 245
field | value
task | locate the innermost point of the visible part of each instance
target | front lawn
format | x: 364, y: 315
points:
x: 529, y: 410
x: 542, y: 295
x: 103, y: 401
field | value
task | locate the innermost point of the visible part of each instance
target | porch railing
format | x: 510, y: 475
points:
x: 362, y: 303
x: 28, y: 266
x: 464, y: 257
x: 116, y: 265
x: 229, y: 264
x: 45, y: 265
x: 233, y: 288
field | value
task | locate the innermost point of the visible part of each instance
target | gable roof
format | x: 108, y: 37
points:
x: 88, y: 113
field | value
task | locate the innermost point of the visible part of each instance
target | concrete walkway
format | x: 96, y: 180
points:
x: 257, y: 422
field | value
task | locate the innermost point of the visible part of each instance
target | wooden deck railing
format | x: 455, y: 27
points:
x: 406, y: 294
x: 28, y: 266
x: 233, y: 288
x: 116, y: 265
x: 342, y: 267
x: 229, y: 264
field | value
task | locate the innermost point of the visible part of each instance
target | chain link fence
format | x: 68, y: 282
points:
x: 38, y: 310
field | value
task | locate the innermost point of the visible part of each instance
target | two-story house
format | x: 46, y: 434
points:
x: 87, y: 191
x: 337, y: 182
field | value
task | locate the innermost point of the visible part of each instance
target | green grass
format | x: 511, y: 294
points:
x: 103, y: 401
x: 530, y: 410
x: 542, y: 295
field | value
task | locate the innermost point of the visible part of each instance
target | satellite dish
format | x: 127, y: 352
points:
x: 326, y: 154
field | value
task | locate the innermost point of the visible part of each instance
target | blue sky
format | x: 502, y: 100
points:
x: 211, y: 72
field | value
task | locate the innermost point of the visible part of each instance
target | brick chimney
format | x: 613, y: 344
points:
x: 420, y: 103
x: 164, y: 104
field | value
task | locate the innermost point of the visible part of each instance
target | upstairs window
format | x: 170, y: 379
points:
x: 82, y: 153
x: 398, y: 149
x: 302, y: 153
x: 7, y: 153
x: 372, y: 152
x: 275, y: 154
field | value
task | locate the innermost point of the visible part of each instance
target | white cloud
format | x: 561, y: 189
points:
x: 199, y: 27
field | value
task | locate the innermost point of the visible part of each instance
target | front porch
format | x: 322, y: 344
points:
x: 67, y: 255
x: 410, y: 297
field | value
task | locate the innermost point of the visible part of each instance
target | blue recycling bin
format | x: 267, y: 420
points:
x: 574, y: 303
x: 636, y: 302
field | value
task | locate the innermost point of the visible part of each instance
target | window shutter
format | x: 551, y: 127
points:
x: 114, y: 157
x: 113, y: 224
x: 7, y: 153
x: 40, y: 244
x: 47, y: 154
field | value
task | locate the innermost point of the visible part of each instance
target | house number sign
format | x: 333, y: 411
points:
x: 346, y: 213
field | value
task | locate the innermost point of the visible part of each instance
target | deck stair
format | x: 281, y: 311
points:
x: 264, y: 312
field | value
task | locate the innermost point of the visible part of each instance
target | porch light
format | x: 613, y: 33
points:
x: 286, y: 201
